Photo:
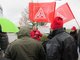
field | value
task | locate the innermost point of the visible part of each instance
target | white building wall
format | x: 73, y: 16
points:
x: 11, y: 37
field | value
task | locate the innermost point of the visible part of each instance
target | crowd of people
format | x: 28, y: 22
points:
x: 59, y: 45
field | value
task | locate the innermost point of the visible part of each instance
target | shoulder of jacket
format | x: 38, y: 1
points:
x: 14, y: 42
x: 62, y: 36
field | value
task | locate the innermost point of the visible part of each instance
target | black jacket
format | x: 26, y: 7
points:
x: 79, y: 39
x: 3, y: 40
x: 75, y: 36
x: 61, y: 46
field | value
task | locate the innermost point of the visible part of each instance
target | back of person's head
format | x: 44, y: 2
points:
x: 34, y: 28
x: 73, y: 28
x: 65, y: 28
x: 24, y: 31
x: 57, y: 23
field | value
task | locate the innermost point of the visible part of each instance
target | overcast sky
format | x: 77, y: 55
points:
x: 12, y: 9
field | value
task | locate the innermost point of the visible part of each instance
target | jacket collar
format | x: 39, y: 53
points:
x: 55, y: 32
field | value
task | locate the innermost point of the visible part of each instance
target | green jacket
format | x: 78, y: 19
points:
x: 25, y: 49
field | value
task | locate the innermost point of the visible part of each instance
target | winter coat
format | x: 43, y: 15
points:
x: 75, y: 36
x: 3, y: 40
x: 61, y: 47
x: 35, y: 34
x: 79, y: 39
x: 25, y: 48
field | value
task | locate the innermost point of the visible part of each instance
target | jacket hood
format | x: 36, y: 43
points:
x: 24, y: 31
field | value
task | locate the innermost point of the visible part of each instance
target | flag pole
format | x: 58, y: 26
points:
x: 77, y: 22
x: 73, y: 16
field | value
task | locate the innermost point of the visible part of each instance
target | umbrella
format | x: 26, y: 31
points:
x: 7, y: 25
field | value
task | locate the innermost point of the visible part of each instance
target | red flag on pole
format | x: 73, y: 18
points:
x: 65, y: 12
x: 42, y: 12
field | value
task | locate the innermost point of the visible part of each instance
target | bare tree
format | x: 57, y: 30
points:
x: 25, y: 19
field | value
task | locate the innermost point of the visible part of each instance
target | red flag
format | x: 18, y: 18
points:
x: 65, y: 12
x: 42, y: 12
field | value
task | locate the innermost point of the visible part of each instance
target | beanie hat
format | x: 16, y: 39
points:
x: 57, y: 23
x: 73, y: 28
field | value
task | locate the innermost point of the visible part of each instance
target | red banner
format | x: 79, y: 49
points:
x: 65, y: 12
x: 42, y: 12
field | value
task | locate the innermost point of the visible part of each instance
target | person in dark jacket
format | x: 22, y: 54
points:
x: 61, y: 45
x: 48, y: 38
x: 25, y: 48
x: 74, y: 34
x: 3, y: 40
x: 79, y: 40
